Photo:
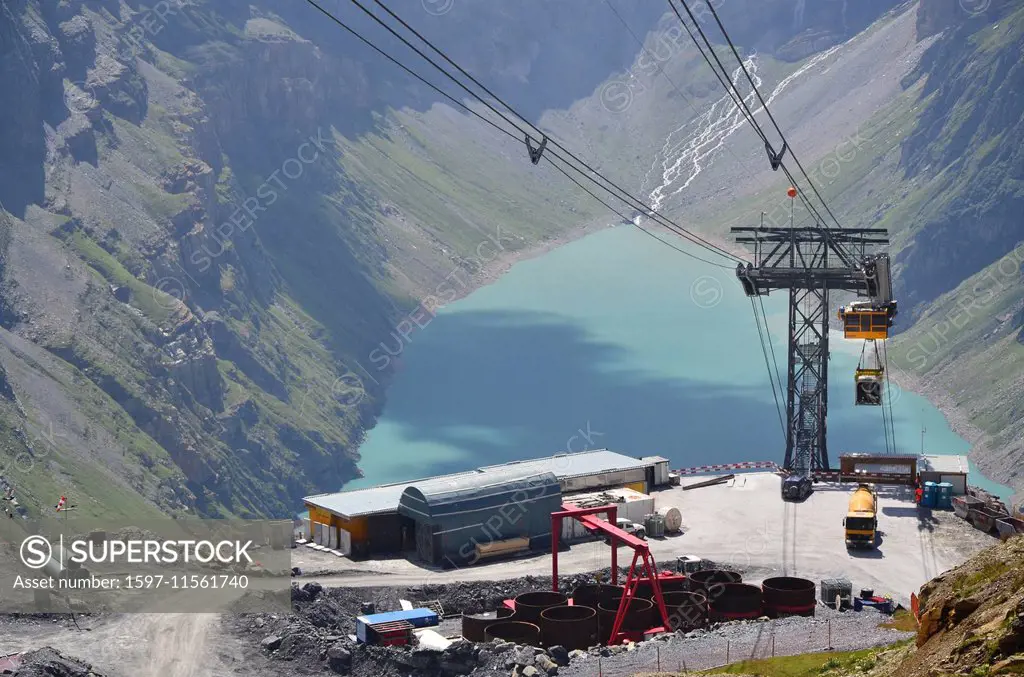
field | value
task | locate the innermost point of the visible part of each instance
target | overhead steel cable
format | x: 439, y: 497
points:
x: 892, y: 421
x: 629, y: 199
x: 625, y: 218
x: 614, y: 189
x: 767, y: 110
x: 771, y: 378
x: 775, y: 361
x: 722, y: 73
x: 678, y: 90
x: 411, y: 72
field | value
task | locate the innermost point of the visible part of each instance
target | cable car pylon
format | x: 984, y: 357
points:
x: 809, y: 263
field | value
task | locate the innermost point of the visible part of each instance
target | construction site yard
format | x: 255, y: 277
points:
x: 743, y: 525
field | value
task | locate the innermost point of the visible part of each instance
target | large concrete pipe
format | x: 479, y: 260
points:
x: 736, y: 600
x: 529, y: 605
x: 513, y: 631
x: 574, y: 627
x: 785, y: 595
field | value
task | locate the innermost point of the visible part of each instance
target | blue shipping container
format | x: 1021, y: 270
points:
x: 418, y: 618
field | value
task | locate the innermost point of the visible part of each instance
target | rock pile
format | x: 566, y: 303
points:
x: 47, y: 662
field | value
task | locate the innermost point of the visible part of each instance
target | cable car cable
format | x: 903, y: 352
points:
x: 646, y: 209
x: 892, y: 421
x: 767, y: 110
x: 625, y: 218
x: 887, y: 423
x: 675, y: 87
x: 735, y: 95
x: 771, y: 346
x: 490, y: 122
x: 750, y: 115
x: 760, y: 334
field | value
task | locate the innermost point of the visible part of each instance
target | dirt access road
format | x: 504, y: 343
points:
x: 136, y: 645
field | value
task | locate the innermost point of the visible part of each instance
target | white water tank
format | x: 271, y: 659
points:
x: 673, y: 519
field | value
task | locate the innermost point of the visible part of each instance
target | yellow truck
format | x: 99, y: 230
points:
x: 861, y: 523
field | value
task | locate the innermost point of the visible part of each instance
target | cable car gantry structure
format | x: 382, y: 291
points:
x: 809, y: 263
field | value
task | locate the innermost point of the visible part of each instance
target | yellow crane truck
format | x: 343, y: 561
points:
x: 861, y: 521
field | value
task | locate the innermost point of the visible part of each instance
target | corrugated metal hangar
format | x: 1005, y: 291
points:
x: 452, y: 523
x: 464, y: 516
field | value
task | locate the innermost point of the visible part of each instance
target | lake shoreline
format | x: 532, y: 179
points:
x: 959, y: 422
x: 492, y: 271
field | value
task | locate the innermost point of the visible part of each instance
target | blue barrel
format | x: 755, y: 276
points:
x: 928, y: 497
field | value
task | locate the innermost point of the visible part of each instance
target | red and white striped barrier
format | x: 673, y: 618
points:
x: 746, y: 465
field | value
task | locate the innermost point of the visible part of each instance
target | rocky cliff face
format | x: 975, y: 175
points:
x: 972, y: 618
x: 135, y: 260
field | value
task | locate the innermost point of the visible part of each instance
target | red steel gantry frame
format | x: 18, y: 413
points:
x: 641, y: 550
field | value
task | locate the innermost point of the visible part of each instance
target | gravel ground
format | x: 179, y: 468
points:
x: 744, y: 640
x: 324, y: 617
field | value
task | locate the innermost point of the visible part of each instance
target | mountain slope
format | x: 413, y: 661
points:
x: 222, y: 295
x: 223, y: 221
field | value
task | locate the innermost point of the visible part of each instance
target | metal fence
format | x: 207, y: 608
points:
x: 680, y: 655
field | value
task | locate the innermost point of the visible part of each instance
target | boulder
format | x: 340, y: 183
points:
x: 525, y: 656
x: 312, y: 590
x: 271, y: 643
x: 964, y: 608
x: 339, y: 658
x: 559, y: 654
x: 542, y: 662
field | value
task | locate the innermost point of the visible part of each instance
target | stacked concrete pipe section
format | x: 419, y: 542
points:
x: 530, y: 605
x: 513, y: 631
x: 686, y: 610
x: 788, y: 596
x: 734, y: 601
x: 645, y: 589
x: 474, y: 626
x: 593, y: 594
x: 574, y: 627
x: 705, y: 581
x: 639, y: 617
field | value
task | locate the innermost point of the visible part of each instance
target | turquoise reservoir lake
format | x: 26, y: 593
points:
x: 613, y: 341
